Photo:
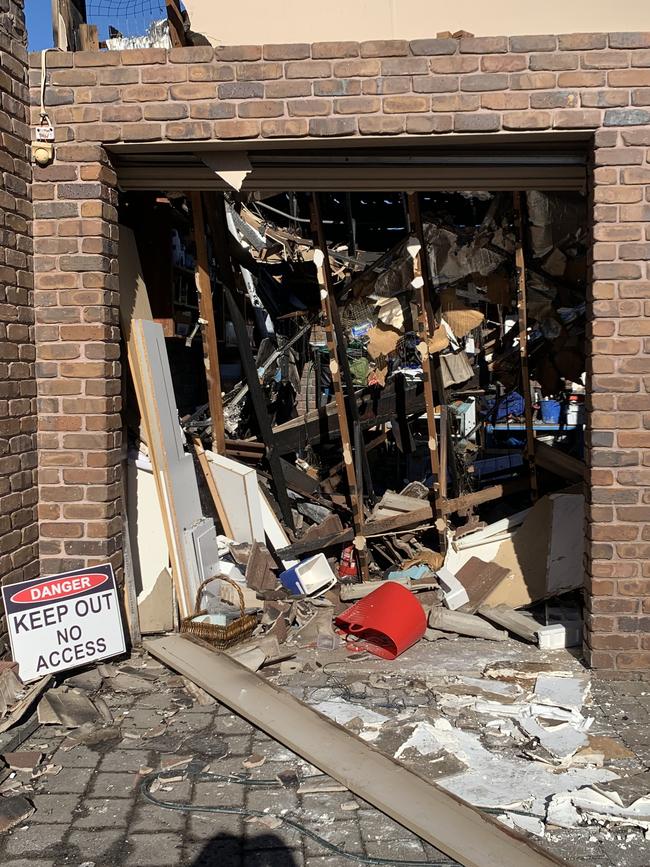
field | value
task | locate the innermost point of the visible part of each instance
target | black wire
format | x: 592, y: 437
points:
x: 245, y: 780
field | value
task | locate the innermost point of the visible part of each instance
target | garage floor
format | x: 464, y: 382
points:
x: 93, y: 811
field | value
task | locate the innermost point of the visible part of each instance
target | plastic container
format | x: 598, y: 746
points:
x: 311, y: 577
x: 551, y: 411
x: 386, y: 622
x: 575, y: 410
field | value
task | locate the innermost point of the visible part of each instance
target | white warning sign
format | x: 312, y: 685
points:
x: 63, y: 621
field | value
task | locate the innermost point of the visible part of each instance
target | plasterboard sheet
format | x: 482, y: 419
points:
x: 239, y: 493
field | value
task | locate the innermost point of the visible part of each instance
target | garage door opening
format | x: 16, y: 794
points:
x: 400, y: 395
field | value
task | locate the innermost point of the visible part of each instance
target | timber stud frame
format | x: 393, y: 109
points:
x: 596, y: 85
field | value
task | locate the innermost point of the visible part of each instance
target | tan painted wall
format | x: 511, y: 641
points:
x: 261, y: 22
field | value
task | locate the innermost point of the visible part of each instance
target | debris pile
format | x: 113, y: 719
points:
x: 409, y: 412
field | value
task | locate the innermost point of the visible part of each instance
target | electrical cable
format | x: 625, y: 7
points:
x: 244, y: 780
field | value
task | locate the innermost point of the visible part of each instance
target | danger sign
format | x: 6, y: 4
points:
x: 63, y: 621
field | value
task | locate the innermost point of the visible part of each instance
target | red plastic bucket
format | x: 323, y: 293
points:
x: 386, y: 622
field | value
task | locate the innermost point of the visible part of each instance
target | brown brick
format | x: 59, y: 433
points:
x: 482, y: 122
x: 334, y: 50
x: 213, y: 72
x: 405, y: 66
x: 386, y: 86
x: 261, y: 108
x: 356, y: 68
x: 191, y: 54
x: 635, y: 175
x: 483, y: 45
x: 308, y: 69
x: 122, y: 114
x: 504, y: 63
x: 527, y: 120
x: 338, y: 87
x: 258, y: 71
x: 640, y: 58
x: 616, y: 195
x: 504, y: 101
x: 94, y: 58
x: 332, y: 126
x: 641, y: 96
x: 141, y: 132
x: 532, y: 80
x: 456, y: 64
x: 233, y: 129
x: 187, y: 130
x: 629, y: 40
x: 357, y: 105
x: 385, y: 48
x: 234, y: 53
x: 143, y: 56
x: 163, y: 74
x: 242, y: 90
x: 426, y: 124
x: 605, y: 60
x: 217, y: 110
x: 576, y: 119
x: 435, y: 83
x: 628, y: 78
x: 484, y: 81
x: 144, y: 93
x: 165, y: 111
x: 284, y: 89
x: 581, y: 79
x: 432, y: 47
x: 533, y: 43
x: 456, y: 102
x: 553, y: 62
x: 406, y: 104
x: 309, y: 107
x: 291, y: 51
x: 582, y: 41
x: 117, y: 75
x: 193, y: 90
x: 604, y: 98
x: 296, y: 127
x: 393, y: 125
x: 614, y: 642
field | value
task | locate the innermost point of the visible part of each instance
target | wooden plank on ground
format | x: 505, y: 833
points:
x: 517, y: 622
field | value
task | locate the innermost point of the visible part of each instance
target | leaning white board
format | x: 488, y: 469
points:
x: 240, y: 496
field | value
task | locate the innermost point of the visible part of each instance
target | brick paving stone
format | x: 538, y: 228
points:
x: 109, y: 785
x: 205, y: 826
x: 32, y: 840
x: 125, y: 760
x: 56, y: 808
x: 104, y: 813
x: 95, y: 845
x: 219, y: 794
x: 344, y: 834
x: 149, y: 819
x: 274, y: 857
x: 276, y: 799
x: 153, y: 850
x: 26, y: 862
x: 78, y: 757
x: 220, y: 849
x: 69, y: 780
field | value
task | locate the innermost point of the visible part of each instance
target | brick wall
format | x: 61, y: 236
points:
x: 594, y: 82
x: 18, y: 495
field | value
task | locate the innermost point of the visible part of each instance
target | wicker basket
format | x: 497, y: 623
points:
x: 220, y: 636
